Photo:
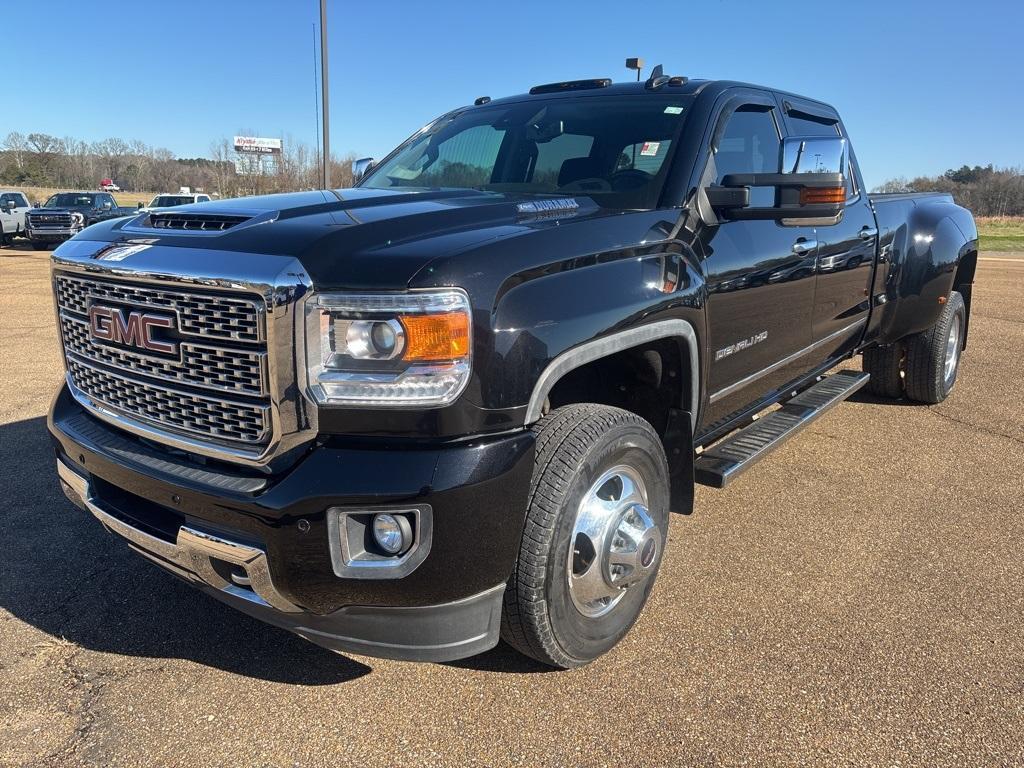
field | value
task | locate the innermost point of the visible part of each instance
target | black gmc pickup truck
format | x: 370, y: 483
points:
x: 457, y: 401
x: 65, y: 214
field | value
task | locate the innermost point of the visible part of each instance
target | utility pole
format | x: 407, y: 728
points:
x: 326, y: 176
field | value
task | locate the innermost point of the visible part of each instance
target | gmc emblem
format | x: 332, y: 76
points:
x: 134, y: 329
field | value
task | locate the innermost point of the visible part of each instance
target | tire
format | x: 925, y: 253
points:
x: 587, y: 452
x: 933, y: 356
x: 885, y: 366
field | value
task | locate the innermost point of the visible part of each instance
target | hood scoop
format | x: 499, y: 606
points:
x: 195, y: 222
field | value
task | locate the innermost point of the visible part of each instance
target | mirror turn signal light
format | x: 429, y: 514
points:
x: 436, y: 337
x: 822, y: 195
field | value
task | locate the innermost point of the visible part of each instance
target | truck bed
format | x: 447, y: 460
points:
x: 881, y: 197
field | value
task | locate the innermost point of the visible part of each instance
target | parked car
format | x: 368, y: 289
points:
x: 458, y: 401
x: 108, y: 185
x: 13, y: 207
x: 65, y: 214
x: 170, y: 200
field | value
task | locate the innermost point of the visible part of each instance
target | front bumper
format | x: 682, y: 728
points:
x: 52, y: 234
x: 262, y: 544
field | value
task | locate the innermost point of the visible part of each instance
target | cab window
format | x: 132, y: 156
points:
x: 750, y: 143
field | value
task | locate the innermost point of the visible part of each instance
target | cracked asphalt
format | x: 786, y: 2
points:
x: 856, y: 599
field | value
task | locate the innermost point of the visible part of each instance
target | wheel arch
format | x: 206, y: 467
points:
x: 620, y: 341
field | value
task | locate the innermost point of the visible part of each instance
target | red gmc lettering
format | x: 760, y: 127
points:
x: 110, y: 324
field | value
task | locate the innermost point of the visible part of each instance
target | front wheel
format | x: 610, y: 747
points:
x: 596, y: 527
x: 933, y: 356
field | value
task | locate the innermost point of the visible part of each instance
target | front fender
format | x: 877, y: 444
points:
x: 559, y: 321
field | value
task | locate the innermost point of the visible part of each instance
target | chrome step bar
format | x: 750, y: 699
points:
x: 729, y: 458
x: 189, y: 556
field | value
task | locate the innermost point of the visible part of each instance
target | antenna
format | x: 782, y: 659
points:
x: 657, y: 78
x: 637, y: 64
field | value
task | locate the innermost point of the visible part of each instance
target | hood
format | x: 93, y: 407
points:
x: 64, y: 209
x: 351, y: 238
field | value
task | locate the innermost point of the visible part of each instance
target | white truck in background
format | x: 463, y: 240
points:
x: 13, y: 207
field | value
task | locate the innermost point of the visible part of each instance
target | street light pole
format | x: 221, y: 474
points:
x: 326, y: 175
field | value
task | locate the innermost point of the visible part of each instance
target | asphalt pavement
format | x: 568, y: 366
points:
x: 855, y: 599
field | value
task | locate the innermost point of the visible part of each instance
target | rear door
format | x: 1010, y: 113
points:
x: 846, y: 250
x: 760, y: 273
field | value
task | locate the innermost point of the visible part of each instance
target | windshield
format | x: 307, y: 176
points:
x: 167, y: 201
x: 613, y: 149
x: 70, y: 200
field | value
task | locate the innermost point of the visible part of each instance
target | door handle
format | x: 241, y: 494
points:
x: 804, y: 245
x: 866, y: 233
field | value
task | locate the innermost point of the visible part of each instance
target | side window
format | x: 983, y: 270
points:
x: 21, y: 201
x: 750, y: 143
x: 809, y: 126
x: 203, y: 199
x: 4, y: 198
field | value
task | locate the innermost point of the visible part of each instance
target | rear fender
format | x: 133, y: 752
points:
x: 926, y: 255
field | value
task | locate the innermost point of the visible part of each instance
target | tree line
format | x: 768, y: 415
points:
x: 42, y: 160
x: 985, y: 190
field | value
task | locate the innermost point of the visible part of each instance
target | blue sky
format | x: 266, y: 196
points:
x: 921, y: 85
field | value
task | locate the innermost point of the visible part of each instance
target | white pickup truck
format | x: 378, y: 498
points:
x: 13, y: 207
x: 170, y: 200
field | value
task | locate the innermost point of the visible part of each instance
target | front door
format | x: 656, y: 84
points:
x: 760, y: 273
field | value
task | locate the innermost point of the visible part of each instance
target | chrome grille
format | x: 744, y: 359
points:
x: 49, y: 220
x: 197, y: 414
x: 226, y: 370
x: 217, y: 387
x: 200, y: 314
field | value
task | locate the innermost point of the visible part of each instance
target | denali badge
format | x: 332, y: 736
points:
x: 135, y: 330
x: 732, y: 349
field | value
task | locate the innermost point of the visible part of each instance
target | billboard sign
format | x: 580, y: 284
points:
x: 257, y: 146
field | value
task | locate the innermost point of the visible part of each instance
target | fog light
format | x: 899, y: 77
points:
x: 392, y: 533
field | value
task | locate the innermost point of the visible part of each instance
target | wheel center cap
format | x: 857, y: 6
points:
x: 632, y: 548
x: 648, y: 552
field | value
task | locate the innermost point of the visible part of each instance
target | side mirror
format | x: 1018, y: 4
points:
x: 361, y: 167
x: 9, y: 205
x: 811, y: 185
x: 141, y: 205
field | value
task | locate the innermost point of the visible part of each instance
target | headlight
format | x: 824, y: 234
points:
x: 403, y: 349
x: 77, y: 217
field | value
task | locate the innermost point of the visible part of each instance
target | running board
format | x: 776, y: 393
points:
x: 730, y: 457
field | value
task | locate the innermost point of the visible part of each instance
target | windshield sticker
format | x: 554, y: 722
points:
x: 673, y: 110
x: 650, y: 149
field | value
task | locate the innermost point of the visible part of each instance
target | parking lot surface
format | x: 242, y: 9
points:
x: 855, y: 599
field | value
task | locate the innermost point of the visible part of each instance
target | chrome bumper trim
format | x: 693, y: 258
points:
x: 189, y: 556
x: 42, y: 232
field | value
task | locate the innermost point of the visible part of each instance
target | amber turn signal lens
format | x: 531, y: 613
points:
x: 436, y: 337
x: 822, y: 195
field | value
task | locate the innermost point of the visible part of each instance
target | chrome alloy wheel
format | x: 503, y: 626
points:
x: 615, y: 543
x: 952, y: 352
